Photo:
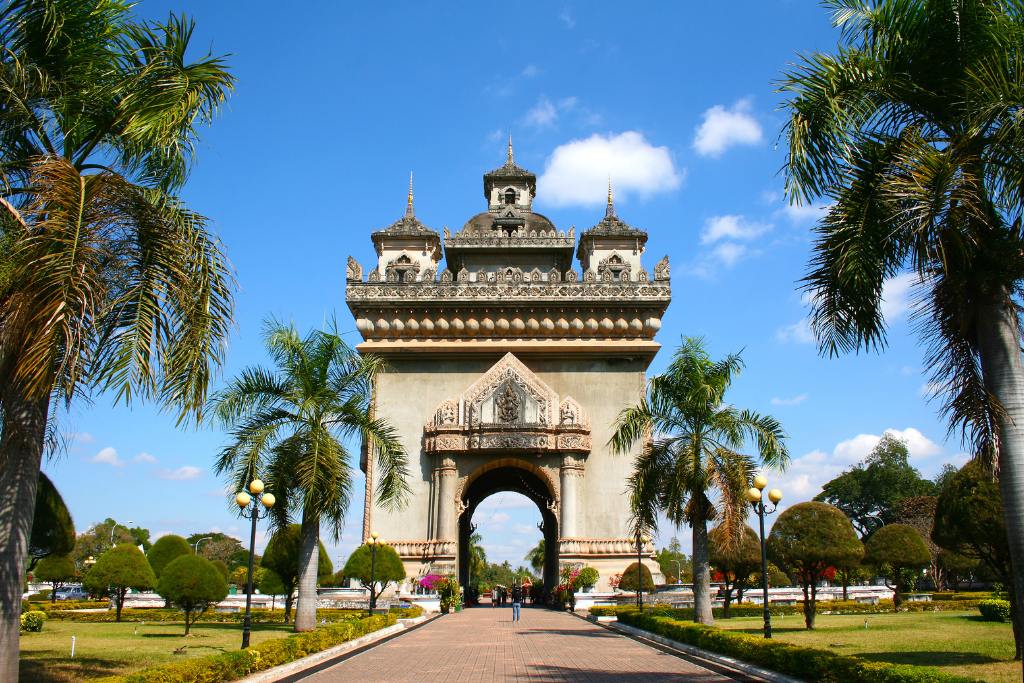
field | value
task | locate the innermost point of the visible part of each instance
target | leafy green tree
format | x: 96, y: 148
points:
x: 118, y: 570
x: 695, y: 453
x: 53, y: 531
x: 869, y: 494
x: 536, y: 557
x: 56, y: 570
x: 736, y: 559
x: 221, y: 568
x: 166, y: 549
x: 674, y: 563
x: 633, y: 575
x: 776, y: 577
x: 109, y: 281
x: 477, y: 558
x: 911, y: 130
x: 219, y: 546
x: 97, y: 539
x: 292, y: 423
x: 969, y: 522
x: 193, y: 584
x: 919, y: 512
x: 898, y: 553
x: 387, y: 568
x: 808, y: 540
x: 283, y: 556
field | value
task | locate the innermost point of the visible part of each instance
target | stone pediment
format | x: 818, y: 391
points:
x: 509, y: 407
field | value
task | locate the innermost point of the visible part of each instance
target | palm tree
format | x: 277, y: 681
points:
x: 290, y: 424
x: 107, y: 280
x: 477, y: 557
x: 691, y: 439
x: 536, y: 557
x: 913, y: 131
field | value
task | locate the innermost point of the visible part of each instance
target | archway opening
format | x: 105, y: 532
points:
x: 514, y: 480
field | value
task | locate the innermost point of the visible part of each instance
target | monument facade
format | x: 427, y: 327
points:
x: 507, y: 368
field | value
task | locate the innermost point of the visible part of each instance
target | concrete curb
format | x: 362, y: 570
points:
x: 749, y: 669
x: 300, y: 665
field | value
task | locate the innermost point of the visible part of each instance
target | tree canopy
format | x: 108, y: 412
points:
x: 118, y: 570
x: 899, y: 553
x: 167, y: 549
x: 56, y: 570
x: 629, y: 580
x: 810, y: 539
x: 387, y: 567
x: 220, y: 546
x: 673, y: 562
x: 53, y: 531
x: 737, y: 559
x: 193, y: 584
x: 282, y: 557
x: 869, y: 494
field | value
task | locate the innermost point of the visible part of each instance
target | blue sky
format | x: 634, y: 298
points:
x: 337, y: 102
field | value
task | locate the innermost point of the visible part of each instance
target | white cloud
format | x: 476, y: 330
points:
x: 724, y: 128
x: 732, y: 227
x: 804, y: 215
x: 144, y: 457
x: 530, y: 71
x: 896, y: 296
x: 857, y: 448
x: 80, y: 437
x: 577, y: 172
x: 929, y: 390
x: 107, y: 456
x: 728, y: 253
x: 506, y: 502
x: 799, y: 332
x: 567, y: 18
x: 183, y: 473
x: 545, y: 113
x: 793, y: 401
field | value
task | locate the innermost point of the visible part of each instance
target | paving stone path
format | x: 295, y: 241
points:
x: 483, y: 644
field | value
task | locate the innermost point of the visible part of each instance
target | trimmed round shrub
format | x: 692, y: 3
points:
x: 994, y: 610
x: 116, y: 571
x: 587, y: 578
x: 629, y: 578
x: 32, y: 622
x: 192, y: 583
x: 167, y: 549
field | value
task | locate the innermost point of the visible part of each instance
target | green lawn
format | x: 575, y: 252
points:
x: 108, y: 649
x: 955, y: 642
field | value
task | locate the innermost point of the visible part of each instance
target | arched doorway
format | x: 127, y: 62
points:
x: 518, y: 477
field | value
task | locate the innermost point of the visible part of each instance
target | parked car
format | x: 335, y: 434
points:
x: 72, y: 593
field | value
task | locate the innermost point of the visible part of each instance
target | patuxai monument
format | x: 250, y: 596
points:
x: 509, y: 361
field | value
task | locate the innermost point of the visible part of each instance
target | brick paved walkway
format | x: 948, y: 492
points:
x: 482, y: 644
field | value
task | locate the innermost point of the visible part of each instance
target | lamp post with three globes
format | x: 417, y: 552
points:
x: 374, y: 541
x: 641, y: 540
x: 757, y: 501
x: 249, y: 505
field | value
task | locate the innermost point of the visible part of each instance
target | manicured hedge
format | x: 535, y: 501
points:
x: 966, y: 595
x: 60, y: 606
x: 807, y: 663
x: 994, y: 610
x: 259, y: 616
x: 231, y: 666
x: 824, y: 607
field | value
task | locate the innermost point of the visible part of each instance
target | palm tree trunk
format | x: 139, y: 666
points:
x: 701, y: 574
x: 999, y: 344
x: 305, y: 611
x: 21, y: 450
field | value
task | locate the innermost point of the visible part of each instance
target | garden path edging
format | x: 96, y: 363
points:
x: 739, y: 665
x: 299, y: 665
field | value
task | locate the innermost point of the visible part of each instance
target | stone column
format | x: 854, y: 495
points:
x: 446, y: 473
x: 571, y: 473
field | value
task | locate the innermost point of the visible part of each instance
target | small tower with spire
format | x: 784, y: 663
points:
x: 510, y: 187
x: 407, y: 250
x: 611, y: 249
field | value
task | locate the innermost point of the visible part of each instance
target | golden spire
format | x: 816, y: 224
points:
x: 510, y: 148
x: 408, y: 207
x: 610, y: 210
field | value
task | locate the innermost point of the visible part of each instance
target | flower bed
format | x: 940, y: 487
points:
x: 807, y: 663
x: 230, y: 666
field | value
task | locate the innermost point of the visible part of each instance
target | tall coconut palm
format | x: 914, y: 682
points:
x: 913, y: 130
x: 290, y: 424
x: 107, y: 280
x: 690, y: 467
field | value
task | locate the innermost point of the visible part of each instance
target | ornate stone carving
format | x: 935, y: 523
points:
x: 447, y: 413
x: 508, y: 403
x: 446, y: 276
x: 424, y: 550
x: 570, y: 413
x: 374, y: 276
x: 402, y: 269
x: 353, y: 271
x: 661, y: 271
x: 577, y: 547
x: 463, y: 275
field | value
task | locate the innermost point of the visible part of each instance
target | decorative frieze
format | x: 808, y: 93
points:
x: 595, y: 547
x: 424, y: 550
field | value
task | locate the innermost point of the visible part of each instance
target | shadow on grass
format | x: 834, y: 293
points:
x: 81, y: 668
x: 929, y: 658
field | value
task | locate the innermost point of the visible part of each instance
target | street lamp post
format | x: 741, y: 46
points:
x: 249, y: 507
x: 114, y: 528
x: 641, y: 541
x: 205, y: 538
x: 756, y: 500
x: 373, y: 541
x: 679, y: 571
